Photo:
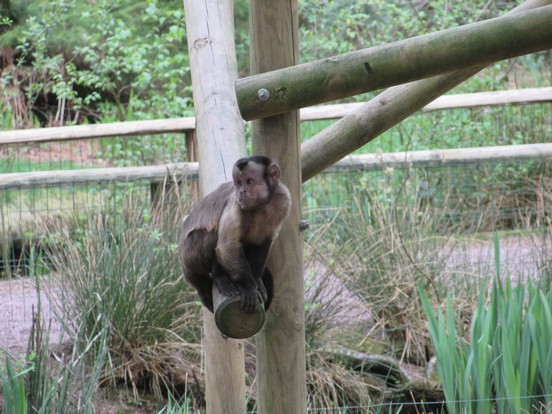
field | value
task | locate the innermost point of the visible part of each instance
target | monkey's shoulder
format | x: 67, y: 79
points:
x: 280, y: 205
x: 207, y: 213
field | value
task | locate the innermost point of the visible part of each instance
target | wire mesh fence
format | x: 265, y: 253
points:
x: 471, y: 198
x: 421, y: 206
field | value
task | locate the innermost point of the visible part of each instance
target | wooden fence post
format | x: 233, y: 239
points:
x: 220, y: 138
x: 281, y: 375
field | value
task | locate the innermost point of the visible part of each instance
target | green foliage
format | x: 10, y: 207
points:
x: 47, y: 382
x: 13, y: 389
x: 122, y: 275
x: 332, y: 27
x: 128, y: 60
x: 176, y: 407
x: 149, y: 70
x: 119, y: 68
x: 506, y: 362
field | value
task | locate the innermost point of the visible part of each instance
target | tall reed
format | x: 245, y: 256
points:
x: 506, y: 364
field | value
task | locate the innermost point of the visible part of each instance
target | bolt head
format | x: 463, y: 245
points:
x: 263, y: 94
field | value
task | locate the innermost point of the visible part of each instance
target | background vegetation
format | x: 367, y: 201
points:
x: 67, y: 61
x: 393, y: 245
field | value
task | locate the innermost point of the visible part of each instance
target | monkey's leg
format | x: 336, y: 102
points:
x: 204, y: 287
x: 265, y: 286
x: 223, y: 281
x: 256, y: 255
x: 246, y: 288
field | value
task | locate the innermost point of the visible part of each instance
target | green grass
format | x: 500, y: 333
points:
x: 122, y: 274
x: 504, y: 364
x: 22, y: 165
x: 13, y: 388
x: 504, y: 125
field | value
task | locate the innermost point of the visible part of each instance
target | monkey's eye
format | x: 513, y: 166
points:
x: 239, y: 182
x: 250, y: 181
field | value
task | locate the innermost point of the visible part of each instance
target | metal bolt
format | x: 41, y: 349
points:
x: 263, y: 94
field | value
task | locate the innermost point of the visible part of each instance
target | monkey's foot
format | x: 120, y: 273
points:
x: 263, y: 295
x: 226, y: 287
x: 249, y: 300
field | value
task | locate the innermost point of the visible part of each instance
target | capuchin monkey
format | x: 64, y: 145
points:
x: 228, y: 235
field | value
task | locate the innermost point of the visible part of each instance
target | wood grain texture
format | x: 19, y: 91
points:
x: 365, y: 162
x: 232, y: 321
x: 155, y: 173
x: 115, y: 129
x: 443, y: 158
x: 458, y: 101
x: 281, y: 344
x: 220, y: 138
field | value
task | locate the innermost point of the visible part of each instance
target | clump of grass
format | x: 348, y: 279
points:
x: 13, y: 388
x: 46, y: 380
x: 505, y: 364
x: 330, y: 384
x: 337, y: 322
x: 122, y: 276
x: 380, y: 258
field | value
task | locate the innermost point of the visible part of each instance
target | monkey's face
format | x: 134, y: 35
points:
x: 252, y: 190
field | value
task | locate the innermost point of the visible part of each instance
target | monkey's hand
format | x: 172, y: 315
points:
x: 262, y: 290
x: 249, y: 299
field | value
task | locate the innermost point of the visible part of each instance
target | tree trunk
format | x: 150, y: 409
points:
x: 220, y: 136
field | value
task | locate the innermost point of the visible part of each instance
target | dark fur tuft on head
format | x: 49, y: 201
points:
x: 258, y: 159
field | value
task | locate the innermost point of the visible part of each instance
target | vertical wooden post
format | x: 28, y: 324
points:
x: 191, y: 150
x: 220, y: 138
x: 281, y: 368
x: 191, y: 145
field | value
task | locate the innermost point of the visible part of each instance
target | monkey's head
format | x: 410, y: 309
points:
x: 255, y: 179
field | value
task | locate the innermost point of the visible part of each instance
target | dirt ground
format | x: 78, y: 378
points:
x: 18, y: 297
x: 18, y: 301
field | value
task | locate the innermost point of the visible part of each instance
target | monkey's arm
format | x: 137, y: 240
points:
x: 231, y: 257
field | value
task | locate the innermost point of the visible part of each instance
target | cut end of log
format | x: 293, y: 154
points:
x: 233, y: 322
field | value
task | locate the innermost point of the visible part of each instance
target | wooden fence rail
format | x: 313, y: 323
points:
x: 365, y: 162
x: 189, y: 170
x: 184, y: 125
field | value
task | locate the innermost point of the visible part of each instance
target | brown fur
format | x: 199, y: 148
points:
x: 227, y: 237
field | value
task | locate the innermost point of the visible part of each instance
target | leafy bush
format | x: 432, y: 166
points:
x: 120, y: 67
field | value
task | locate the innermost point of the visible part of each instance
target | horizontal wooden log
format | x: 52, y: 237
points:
x: 458, y: 101
x: 115, y: 129
x: 232, y: 321
x: 443, y: 158
x: 383, y: 112
x: 399, y: 62
x: 155, y: 173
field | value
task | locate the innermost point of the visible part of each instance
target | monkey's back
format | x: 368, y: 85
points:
x: 199, y: 238
x: 206, y: 214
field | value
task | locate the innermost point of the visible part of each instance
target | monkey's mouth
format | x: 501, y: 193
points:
x: 250, y: 203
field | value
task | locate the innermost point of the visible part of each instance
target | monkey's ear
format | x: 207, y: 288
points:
x: 274, y: 172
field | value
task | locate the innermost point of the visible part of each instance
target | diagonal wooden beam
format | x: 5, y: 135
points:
x: 395, y: 63
x: 386, y: 110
